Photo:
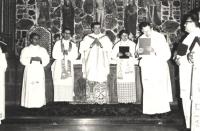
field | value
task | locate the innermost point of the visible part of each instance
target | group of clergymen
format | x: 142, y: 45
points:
x: 152, y: 51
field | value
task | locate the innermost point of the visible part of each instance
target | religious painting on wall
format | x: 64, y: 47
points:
x: 100, y: 12
x: 153, y: 10
x: 130, y: 17
x: 68, y: 15
x: 43, y: 11
x: 114, y: 15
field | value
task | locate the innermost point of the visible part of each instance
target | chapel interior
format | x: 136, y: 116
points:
x: 19, y: 18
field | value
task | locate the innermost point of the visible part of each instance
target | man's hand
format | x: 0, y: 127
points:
x: 175, y: 56
x: 65, y: 52
x: 119, y: 54
x: 140, y: 50
x: 178, y: 61
x: 190, y: 57
x: 128, y: 54
x: 149, y: 48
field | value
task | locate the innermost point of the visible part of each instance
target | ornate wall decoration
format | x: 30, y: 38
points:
x: 48, y: 13
x: 188, y: 6
x: 7, y: 23
x: 170, y: 26
x: 88, y: 6
x: 130, y: 17
x: 30, y: 13
x: 45, y: 37
x: 68, y: 15
x: 43, y: 12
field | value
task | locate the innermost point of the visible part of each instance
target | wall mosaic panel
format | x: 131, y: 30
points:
x: 30, y: 13
x: 7, y: 24
x: 114, y: 15
x: 189, y: 5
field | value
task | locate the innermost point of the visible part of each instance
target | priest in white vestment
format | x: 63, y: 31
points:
x: 155, y: 73
x: 126, y: 89
x: 95, y: 49
x: 64, y: 53
x: 34, y: 58
x: 189, y: 73
x: 3, y: 66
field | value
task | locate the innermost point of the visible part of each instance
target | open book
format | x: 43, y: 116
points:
x: 123, y: 50
x: 143, y: 43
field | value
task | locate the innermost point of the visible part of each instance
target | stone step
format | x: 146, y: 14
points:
x: 67, y: 114
x: 129, y: 127
x: 95, y: 120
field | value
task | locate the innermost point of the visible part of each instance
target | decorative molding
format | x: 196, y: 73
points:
x: 45, y: 37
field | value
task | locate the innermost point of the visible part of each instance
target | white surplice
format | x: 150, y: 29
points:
x: 96, y: 67
x: 33, y: 87
x: 195, y: 95
x: 185, y: 76
x: 63, y: 88
x: 126, y: 90
x: 190, y: 84
x: 155, y: 76
x: 3, y: 66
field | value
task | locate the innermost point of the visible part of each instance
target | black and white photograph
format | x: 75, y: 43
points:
x: 99, y: 65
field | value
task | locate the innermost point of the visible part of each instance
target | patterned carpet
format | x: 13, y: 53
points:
x: 63, y: 113
x: 66, y: 109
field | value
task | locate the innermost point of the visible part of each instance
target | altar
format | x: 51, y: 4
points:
x: 79, y: 84
x: 14, y: 75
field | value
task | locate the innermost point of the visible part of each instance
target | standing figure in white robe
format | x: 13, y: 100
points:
x: 3, y: 66
x: 189, y: 73
x: 34, y: 58
x: 95, y: 51
x: 100, y: 12
x: 194, y: 57
x: 64, y: 52
x: 155, y: 73
x: 126, y: 89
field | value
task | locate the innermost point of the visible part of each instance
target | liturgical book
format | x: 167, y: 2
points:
x: 123, y: 50
x: 182, y: 49
x: 143, y: 43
